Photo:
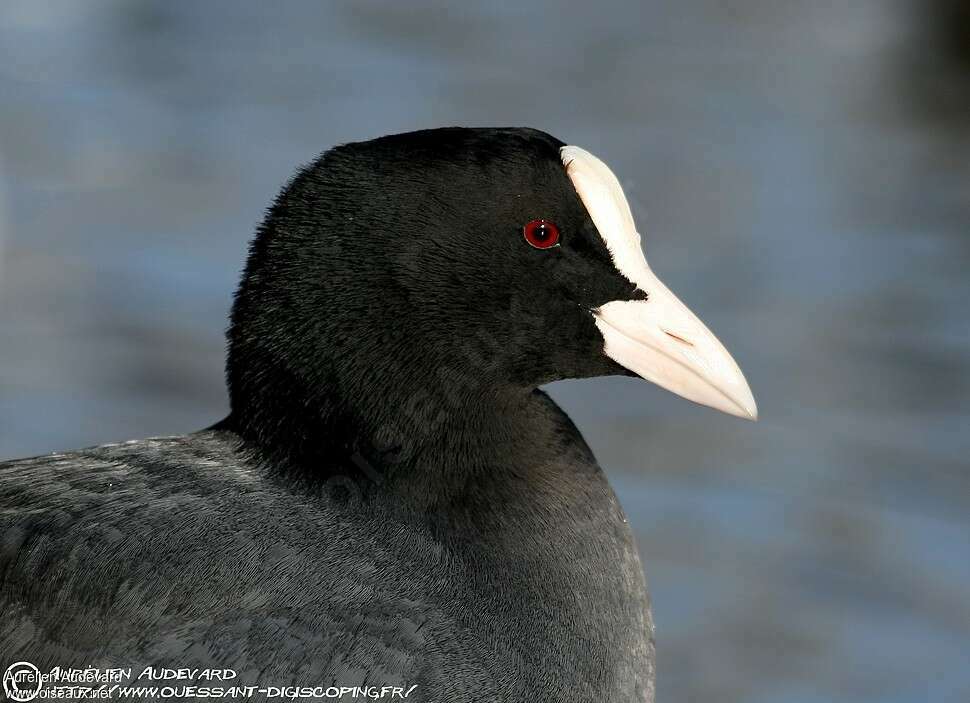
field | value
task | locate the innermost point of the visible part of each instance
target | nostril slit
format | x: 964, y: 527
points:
x: 679, y: 338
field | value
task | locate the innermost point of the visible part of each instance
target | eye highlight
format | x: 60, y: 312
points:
x: 541, y: 234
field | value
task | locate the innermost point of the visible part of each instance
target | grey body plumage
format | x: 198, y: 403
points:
x: 182, y: 552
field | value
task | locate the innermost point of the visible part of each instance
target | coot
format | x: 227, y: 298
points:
x: 391, y: 504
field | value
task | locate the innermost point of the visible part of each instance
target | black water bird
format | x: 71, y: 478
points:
x: 391, y: 502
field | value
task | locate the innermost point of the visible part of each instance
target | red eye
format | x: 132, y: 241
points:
x: 542, y: 234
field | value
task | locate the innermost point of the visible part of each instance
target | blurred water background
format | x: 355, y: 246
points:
x: 801, y: 174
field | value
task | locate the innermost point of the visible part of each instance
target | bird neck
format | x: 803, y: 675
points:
x: 424, y: 438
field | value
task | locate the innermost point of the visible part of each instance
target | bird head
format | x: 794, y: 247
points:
x: 454, y: 261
